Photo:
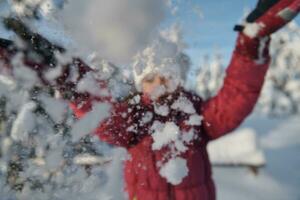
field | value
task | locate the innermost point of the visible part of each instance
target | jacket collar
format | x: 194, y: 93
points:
x: 146, y: 99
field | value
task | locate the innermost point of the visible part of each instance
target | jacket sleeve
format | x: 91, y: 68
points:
x: 116, y: 129
x: 241, y: 89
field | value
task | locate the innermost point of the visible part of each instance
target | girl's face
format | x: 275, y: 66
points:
x: 154, y: 86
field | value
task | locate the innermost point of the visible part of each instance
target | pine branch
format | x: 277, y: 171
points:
x: 34, y: 41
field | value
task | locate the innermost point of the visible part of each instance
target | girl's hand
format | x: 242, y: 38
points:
x: 268, y: 17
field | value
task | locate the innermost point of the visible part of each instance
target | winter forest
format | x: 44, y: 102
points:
x: 65, y: 65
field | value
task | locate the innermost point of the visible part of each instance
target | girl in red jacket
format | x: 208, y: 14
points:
x: 166, y: 128
x: 166, y: 132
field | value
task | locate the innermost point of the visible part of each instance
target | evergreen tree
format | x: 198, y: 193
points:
x: 210, y: 76
x: 45, y: 153
x: 281, y: 93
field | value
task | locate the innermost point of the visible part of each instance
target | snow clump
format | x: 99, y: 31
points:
x: 252, y: 29
x: 174, y: 170
x: 195, y: 120
x: 184, y: 105
x: 162, y: 110
x: 164, y: 134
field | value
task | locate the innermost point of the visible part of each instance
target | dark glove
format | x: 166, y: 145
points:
x: 268, y: 17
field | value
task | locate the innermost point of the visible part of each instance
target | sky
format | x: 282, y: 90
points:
x: 121, y: 28
x: 117, y: 29
x: 213, y: 31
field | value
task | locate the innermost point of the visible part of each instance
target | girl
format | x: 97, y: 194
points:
x: 166, y: 129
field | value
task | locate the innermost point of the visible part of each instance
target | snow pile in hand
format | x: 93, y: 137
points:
x: 252, y: 29
x: 174, y: 170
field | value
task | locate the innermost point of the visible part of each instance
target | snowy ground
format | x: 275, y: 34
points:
x: 280, y: 178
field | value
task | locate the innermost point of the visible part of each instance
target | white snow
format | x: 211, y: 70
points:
x: 90, y: 121
x: 53, y: 73
x: 89, y: 84
x: 285, y: 135
x: 164, y: 134
x: 252, y: 29
x: 262, y: 45
x: 147, y: 118
x: 24, y: 123
x: 56, y: 108
x: 174, y: 170
x: 184, y: 105
x: 163, y: 56
x: 54, y: 158
x: 115, y: 29
x: 189, y: 136
x: 162, y: 110
x: 281, y: 94
x: 26, y: 77
x: 279, y: 179
x: 238, y: 148
x: 87, y: 159
x: 169, y: 134
x: 135, y: 100
x: 273, y: 142
x: 194, y: 119
x: 6, y: 84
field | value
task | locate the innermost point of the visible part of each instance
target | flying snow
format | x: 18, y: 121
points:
x: 90, y: 121
x: 252, y: 29
x: 174, y: 170
x: 184, y: 105
x: 164, y: 134
x: 115, y: 29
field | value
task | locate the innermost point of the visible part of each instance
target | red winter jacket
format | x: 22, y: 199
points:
x: 221, y: 114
